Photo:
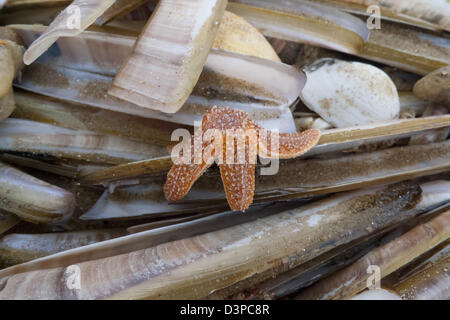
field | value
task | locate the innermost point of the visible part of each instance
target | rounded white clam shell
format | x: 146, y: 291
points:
x: 350, y: 93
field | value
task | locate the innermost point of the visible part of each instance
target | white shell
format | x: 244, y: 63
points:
x: 350, y: 93
x: 377, y: 294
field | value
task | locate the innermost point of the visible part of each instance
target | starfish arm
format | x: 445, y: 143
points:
x: 239, y: 183
x: 289, y: 145
x: 181, y: 177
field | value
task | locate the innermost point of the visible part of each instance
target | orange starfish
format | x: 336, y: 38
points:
x: 238, y: 175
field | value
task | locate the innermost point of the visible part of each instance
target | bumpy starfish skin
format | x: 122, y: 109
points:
x: 238, y: 178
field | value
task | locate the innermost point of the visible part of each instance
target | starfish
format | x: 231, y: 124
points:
x: 238, y: 177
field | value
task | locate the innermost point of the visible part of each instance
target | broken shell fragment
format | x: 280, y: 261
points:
x: 435, y: 86
x: 169, y: 55
x: 348, y: 94
x: 32, y: 199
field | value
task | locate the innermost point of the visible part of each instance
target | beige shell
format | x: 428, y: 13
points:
x: 435, y: 86
x: 32, y: 199
x: 350, y: 93
x: 237, y: 35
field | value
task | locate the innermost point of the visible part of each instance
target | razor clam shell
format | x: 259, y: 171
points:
x: 128, y: 172
x: 306, y: 273
x: 18, y: 248
x: 62, y: 26
x: 389, y: 257
x: 430, y: 281
x: 230, y: 255
x: 61, y: 169
x: 303, y: 21
x: 149, y: 238
x: 34, y: 137
x: 235, y: 34
x: 169, y: 54
x: 435, y: 197
x: 331, y: 141
x: 407, y: 48
x: 144, y: 201
x: 7, y: 221
x: 295, y: 179
x: 431, y: 136
x: 396, y: 45
x: 154, y: 237
x: 434, y: 12
x: 425, y: 261
x: 71, y: 71
x: 33, y: 199
x: 419, y: 13
x: 166, y: 222
x: 18, y: 4
x: 28, y: 15
x: 118, y: 9
x: 317, y: 176
x: 306, y: 178
x: 40, y: 108
x: 434, y: 192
